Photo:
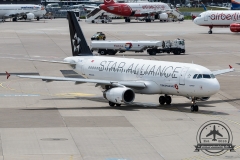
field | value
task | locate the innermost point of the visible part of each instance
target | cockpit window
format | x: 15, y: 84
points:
x: 199, y: 15
x: 199, y: 76
x: 195, y: 76
x: 212, y: 76
x: 206, y: 76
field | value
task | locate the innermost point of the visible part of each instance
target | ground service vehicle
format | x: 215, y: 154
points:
x: 153, y: 47
x: 98, y: 36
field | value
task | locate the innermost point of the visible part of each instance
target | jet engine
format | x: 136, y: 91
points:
x: 235, y: 27
x: 28, y: 16
x: 163, y: 16
x: 119, y: 95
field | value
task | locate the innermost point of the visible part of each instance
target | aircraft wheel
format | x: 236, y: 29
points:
x: 38, y: 18
x: 168, y: 100
x: 102, y: 52
x: 118, y: 105
x: 196, y: 108
x: 111, y: 104
x: 162, y: 100
x: 111, y: 52
x: 209, y: 32
x: 192, y: 108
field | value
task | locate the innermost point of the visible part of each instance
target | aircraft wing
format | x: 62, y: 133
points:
x: 61, y: 62
x: 209, y: 134
x: 217, y: 133
x: 223, y: 71
x: 131, y: 84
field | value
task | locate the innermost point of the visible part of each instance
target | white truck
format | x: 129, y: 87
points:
x: 176, y: 46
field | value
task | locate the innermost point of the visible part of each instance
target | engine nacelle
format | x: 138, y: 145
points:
x: 163, y: 16
x: 28, y: 16
x: 235, y: 27
x: 119, y: 95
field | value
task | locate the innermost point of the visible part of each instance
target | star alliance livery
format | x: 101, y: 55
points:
x: 121, y: 78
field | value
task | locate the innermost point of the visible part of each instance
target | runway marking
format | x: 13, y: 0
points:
x: 19, y: 95
x: 26, y: 94
x: 77, y: 94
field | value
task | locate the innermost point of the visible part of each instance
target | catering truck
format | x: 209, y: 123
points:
x: 111, y: 47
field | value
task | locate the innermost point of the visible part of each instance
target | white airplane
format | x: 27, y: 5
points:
x: 221, y: 18
x: 21, y: 11
x: 121, y: 78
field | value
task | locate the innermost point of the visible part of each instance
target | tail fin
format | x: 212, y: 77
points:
x: 235, y: 4
x: 106, y: 2
x: 205, y: 9
x: 78, y: 41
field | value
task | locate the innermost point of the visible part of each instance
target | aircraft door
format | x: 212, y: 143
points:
x: 120, y: 9
x: 182, y: 75
x: 206, y: 15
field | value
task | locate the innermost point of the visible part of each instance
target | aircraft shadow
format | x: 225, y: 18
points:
x: 234, y: 34
x: 179, y: 107
x: 144, y: 55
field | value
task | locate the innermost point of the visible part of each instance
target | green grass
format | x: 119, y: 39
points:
x: 200, y: 9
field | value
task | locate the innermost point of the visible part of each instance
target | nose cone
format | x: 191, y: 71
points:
x: 101, y: 6
x: 69, y: 60
x: 196, y: 21
x: 214, y: 87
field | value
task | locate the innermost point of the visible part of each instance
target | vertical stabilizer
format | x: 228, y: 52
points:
x: 78, y: 41
x: 235, y: 4
x: 106, y: 2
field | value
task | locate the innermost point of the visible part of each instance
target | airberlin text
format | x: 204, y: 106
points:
x: 153, y: 7
x: 222, y: 16
x: 140, y: 69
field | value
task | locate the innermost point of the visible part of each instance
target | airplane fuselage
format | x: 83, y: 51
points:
x: 134, y: 9
x: 218, y: 18
x: 13, y: 9
x: 161, y: 77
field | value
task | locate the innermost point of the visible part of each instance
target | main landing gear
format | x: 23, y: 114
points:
x: 111, y: 104
x: 194, y: 106
x: 210, y: 30
x: 165, y: 99
x: 127, y: 19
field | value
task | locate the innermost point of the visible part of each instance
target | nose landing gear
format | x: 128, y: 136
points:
x: 210, y: 30
x: 194, y: 106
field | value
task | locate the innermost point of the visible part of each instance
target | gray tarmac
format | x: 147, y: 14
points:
x: 64, y: 121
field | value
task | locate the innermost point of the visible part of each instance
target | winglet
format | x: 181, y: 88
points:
x: 230, y: 67
x: 8, y: 75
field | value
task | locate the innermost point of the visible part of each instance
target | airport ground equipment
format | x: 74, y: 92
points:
x: 98, y: 16
x: 176, y: 46
x: 98, y: 36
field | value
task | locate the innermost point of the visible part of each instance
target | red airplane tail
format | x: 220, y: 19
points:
x: 106, y: 2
